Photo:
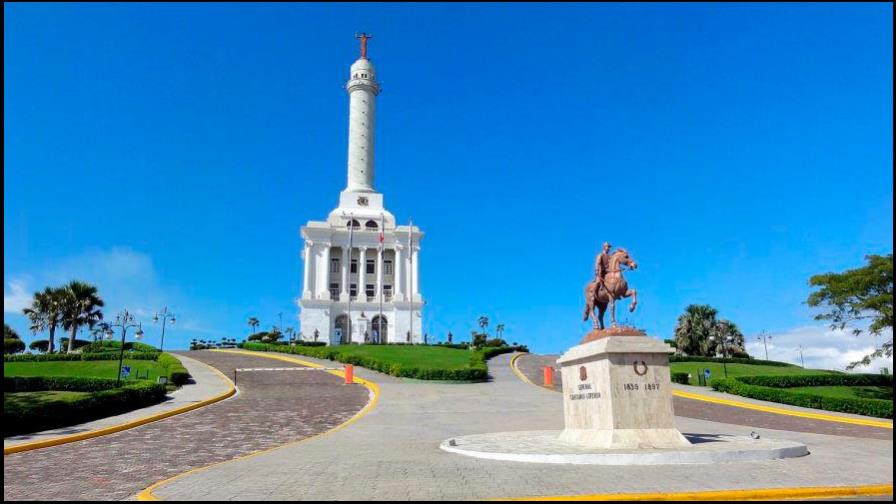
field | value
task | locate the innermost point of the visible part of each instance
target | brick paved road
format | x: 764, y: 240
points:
x: 272, y: 408
x: 531, y: 365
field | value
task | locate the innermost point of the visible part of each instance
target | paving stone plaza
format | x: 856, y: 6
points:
x: 392, y: 452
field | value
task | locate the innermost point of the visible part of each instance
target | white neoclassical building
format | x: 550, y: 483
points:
x: 361, y: 280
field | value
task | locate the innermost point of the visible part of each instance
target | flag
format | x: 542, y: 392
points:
x: 382, y: 235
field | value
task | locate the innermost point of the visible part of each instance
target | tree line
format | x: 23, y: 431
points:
x: 69, y: 307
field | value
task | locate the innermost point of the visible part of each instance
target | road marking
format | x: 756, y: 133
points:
x: 782, y: 411
x: 105, y: 431
x: 147, y: 494
x: 744, y: 405
x: 289, y: 369
x: 729, y: 495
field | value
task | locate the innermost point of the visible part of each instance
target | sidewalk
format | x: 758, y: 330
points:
x: 206, y: 384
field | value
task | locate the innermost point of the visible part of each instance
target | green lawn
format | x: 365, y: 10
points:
x: 858, y: 392
x: 717, y: 371
x: 95, y: 369
x: 424, y: 357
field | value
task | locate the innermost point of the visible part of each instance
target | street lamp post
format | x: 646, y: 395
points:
x: 728, y: 339
x: 125, y: 320
x: 764, y: 339
x: 802, y: 364
x: 165, y: 317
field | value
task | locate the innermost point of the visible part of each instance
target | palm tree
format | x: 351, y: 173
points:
x: 45, y: 314
x: 81, y: 305
x: 253, y: 323
x: 499, y: 330
x: 483, y: 322
x: 695, y: 326
x: 728, y: 332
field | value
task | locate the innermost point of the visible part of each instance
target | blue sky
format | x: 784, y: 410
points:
x: 170, y: 153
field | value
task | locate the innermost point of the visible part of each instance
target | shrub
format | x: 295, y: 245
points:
x: 729, y: 360
x: 103, y: 400
x: 819, y: 380
x: 739, y: 386
x: 477, y: 370
x: 496, y: 342
x: 80, y: 356
x: 13, y: 345
x: 109, y: 346
x: 177, y: 373
x: 679, y: 377
x: 79, y: 343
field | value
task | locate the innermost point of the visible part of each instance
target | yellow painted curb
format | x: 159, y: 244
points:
x: 123, y: 426
x: 730, y: 495
x: 782, y: 411
x: 147, y: 494
x: 745, y: 405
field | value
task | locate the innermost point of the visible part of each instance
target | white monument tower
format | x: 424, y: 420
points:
x: 361, y: 281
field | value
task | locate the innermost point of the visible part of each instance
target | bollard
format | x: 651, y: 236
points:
x: 548, y: 376
x: 349, y: 374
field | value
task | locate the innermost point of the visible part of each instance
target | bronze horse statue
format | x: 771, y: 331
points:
x: 615, y: 283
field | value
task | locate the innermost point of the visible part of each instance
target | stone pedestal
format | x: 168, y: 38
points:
x: 617, y: 394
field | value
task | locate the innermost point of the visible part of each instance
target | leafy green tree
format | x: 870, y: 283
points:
x: 45, y: 314
x: 12, y: 343
x: 81, y: 305
x: 9, y: 332
x: 858, y: 296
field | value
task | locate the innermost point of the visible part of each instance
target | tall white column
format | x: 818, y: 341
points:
x: 362, y: 89
x: 306, y: 282
x: 398, y: 269
x: 362, y: 275
x: 346, y: 269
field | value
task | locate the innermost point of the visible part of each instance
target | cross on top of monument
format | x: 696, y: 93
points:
x: 364, y: 37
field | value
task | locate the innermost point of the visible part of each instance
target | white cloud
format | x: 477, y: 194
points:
x: 823, y: 348
x: 16, y: 298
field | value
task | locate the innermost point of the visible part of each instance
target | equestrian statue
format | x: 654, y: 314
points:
x: 609, y: 285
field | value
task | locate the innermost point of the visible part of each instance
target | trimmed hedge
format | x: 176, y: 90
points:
x: 102, y: 401
x: 738, y: 385
x: 729, y: 360
x: 177, y: 373
x: 820, y: 380
x: 115, y: 346
x: 477, y: 371
x: 80, y: 356
x: 680, y: 377
x: 62, y: 383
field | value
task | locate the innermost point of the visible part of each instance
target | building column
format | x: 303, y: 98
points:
x: 362, y: 274
x: 379, y: 271
x: 398, y: 268
x: 325, y: 288
x: 306, y: 284
x: 346, y: 272
x: 415, y: 263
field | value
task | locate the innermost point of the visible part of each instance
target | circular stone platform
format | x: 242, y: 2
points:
x: 543, y: 447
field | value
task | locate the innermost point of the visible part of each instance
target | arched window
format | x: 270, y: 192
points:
x: 353, y: 224
x: 371, y: 225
